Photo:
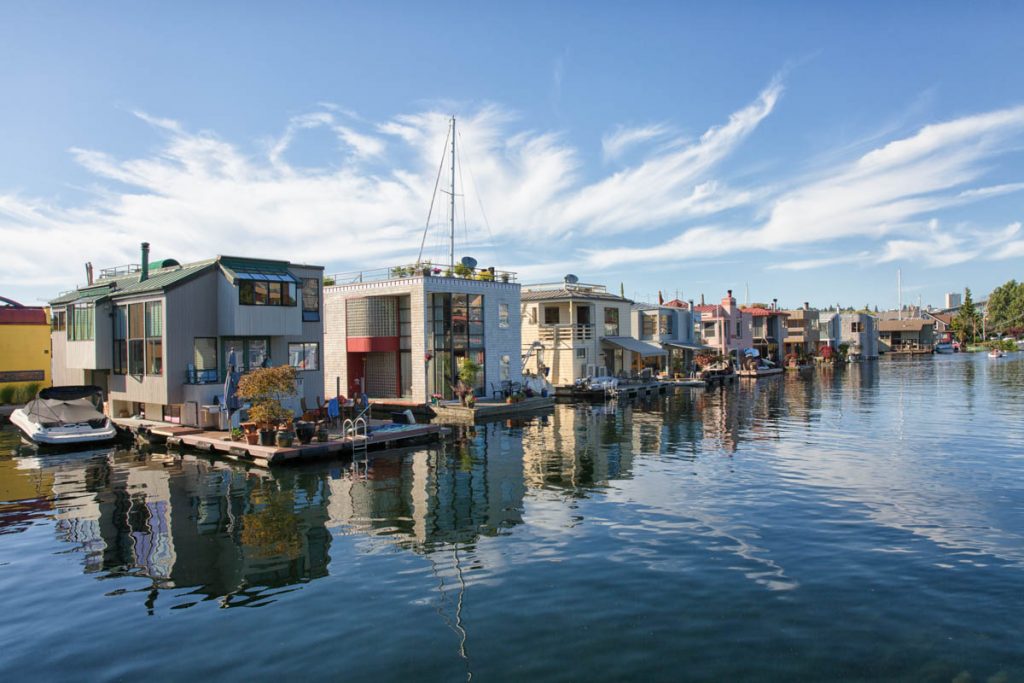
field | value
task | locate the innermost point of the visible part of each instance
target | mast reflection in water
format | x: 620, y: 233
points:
x: 862, y: 521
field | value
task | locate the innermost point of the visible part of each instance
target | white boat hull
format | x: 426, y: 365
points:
x: 63, y: 435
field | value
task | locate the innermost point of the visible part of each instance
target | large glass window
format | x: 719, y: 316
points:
x: 304, y: 355
x: 58, y: 320
x: 551, y: 316
x: 647, y: 323
x: 503, y: 316
x: 250, y: 353
x: 457, y: 333
x: 81, y: 323
x: 204, y: 360
x: 611, y: 322
x: 136, y: 339
x: 665, y: 324
x: 120, y: 340
x: 266, y: 292
x: 310, y: 299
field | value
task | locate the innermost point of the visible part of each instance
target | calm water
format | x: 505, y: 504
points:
x: 866, y: 523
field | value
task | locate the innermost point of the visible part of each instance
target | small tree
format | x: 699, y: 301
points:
x: 967, y: 320
x: 468, y: 371
x: 266, y: 388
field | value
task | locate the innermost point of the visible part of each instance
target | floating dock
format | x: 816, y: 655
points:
x: 382, y: 435
x: 453, y: 412
x: 758, y: 374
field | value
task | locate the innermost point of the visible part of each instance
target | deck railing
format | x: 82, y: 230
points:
x: 556, y: 333
x: 419, y: 270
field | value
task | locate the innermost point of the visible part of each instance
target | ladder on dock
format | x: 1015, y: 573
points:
x: 358, y: 431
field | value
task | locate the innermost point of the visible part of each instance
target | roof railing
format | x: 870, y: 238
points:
x: 570, y: 286
x: 119, y: 271
x: 416, y: 270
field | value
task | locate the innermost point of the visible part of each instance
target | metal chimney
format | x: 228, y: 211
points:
x: 144, y: 275
x: 88, y: 273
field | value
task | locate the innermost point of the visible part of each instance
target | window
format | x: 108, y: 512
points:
x: 581, y: 353
x: 58, y: 321
x: 204, y: 360
x: 710, y: 329
x: 81, y: 322
x: 310, y: 299
x: 120, y: 340
x: 304, y: 356
x: 665, y: 324
x: 278, y: 292
x: 856, y: 327
x: 647, y: 326
x: 551, y: 315
x: 258, y: 352
x: 611, y: 322
x: 503, y: 315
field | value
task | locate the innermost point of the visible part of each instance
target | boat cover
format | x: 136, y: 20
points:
x: 52, y: 412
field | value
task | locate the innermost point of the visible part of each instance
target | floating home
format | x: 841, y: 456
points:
x: 24, y: 348
x: 726, y: 328
x: 860, y: 332
x: 156, y: 336
x: 573, y: 330
x: 671, y: 326
x: 401, y: 334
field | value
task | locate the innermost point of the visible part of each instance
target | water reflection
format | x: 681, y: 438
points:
x: 214, y: 531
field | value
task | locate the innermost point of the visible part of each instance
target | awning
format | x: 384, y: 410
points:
x: 261, y: 271
x: 636, y: 346
x: 688, y: 347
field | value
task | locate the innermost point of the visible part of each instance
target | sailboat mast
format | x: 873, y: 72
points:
x: 899, y: 292
x: 451, y: 243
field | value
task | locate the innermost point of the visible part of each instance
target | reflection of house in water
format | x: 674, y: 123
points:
x: 430, y: 497
x: 577, y: 447
x: 184, y: 522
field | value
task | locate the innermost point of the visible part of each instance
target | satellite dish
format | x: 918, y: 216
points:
x: 571, y: 279
x: 469, y: 261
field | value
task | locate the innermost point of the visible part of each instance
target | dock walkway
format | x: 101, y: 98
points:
x: 382, y: 435
x: 452, y: 411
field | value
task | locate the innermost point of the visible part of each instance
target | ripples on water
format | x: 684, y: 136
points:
x: 862, y: 523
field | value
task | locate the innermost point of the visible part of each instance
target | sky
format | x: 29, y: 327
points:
x: 798, y: 151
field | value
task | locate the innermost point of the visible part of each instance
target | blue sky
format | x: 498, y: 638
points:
x: 802, y: 150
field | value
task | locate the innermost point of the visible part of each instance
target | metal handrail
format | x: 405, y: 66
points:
x: 418, y: 270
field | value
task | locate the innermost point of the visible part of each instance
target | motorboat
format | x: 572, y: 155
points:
x: 65, y: 416
x: 944, y: 347
x: 996, y: 353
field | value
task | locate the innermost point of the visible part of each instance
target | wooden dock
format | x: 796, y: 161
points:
x: 453, y: 412
x: 382, y: 435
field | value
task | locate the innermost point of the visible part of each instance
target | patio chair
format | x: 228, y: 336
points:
x: 498, y: 391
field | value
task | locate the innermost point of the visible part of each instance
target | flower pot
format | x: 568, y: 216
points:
x: 305, y: 431
x: 252, y: 438
x: 322, y: 435
x: 267, y: 437
x: 285, y: 438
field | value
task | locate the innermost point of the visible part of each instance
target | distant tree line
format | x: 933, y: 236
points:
x: 1006, y: 309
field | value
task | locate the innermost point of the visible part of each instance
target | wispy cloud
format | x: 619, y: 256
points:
x: 614, y: 144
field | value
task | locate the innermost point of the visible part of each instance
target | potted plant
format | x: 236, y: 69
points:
x: 468, y: 371
x: 285, y: 436
x: 237, y: 434
x: 251, y: 431
x: 322, y: 433
x: 305, y: 432
x: 504, y: 277
x: 265, y: 388
x: 462, y: 270
x: 470, y: 401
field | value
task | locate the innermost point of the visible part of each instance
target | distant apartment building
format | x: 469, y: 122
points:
x: 572, y: 330
x: 830, y: 330
x: 157, y: 336
x: 768, y: 328
x: 669, y: 326
x: 401, y: 334
x: 916, y: 334
x: 860, y: 334
x: 24, y: 346
x: 953, y: 300
x: 803, y: 334
x: 726, y: 328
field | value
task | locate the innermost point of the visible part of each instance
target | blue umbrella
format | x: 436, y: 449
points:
x: 231, y: 402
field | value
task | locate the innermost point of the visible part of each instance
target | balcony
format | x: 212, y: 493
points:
x: 565, y: 333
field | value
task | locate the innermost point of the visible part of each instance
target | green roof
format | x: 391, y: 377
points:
x: 85, y: 294
x: 159, y: 280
